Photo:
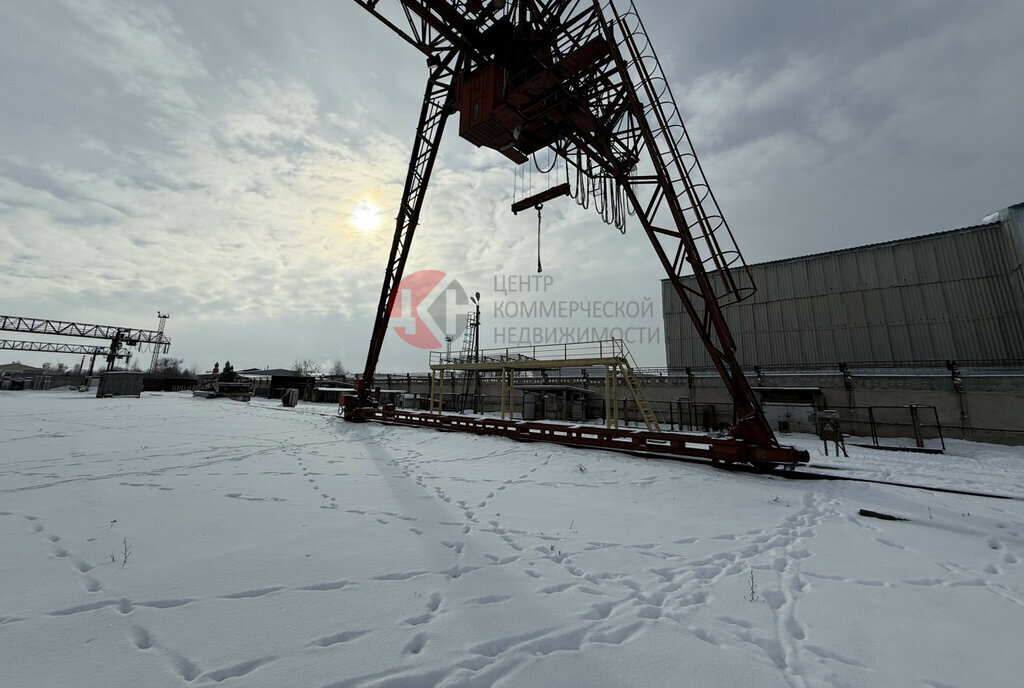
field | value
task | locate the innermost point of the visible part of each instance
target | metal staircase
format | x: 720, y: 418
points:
x: 639, y: 398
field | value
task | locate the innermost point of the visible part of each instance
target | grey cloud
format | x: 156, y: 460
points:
x: 204, y: 158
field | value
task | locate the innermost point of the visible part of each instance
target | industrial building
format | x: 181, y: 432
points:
x: 934, y: 320
x: 954, y: 295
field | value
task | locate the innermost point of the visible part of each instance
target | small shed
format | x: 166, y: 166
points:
x: 554, y: 402
x: 331, y: 394
x: 393, y: 397
x: 120, y: 383
x: 303, y: 383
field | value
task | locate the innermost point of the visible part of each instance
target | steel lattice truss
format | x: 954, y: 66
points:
x: 128, y: 336
x: 57, y: 348
x: 579, y: 79
x: 120, y: 337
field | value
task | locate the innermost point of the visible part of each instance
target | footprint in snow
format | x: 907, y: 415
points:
x: 142, y: 638
x: 434, y: 602
x: 415, y: 646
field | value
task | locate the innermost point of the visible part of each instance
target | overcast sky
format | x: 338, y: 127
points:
x: 209, y: 159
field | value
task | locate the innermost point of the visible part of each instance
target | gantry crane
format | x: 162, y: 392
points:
x: 120, y: 337
x: 579, y: 79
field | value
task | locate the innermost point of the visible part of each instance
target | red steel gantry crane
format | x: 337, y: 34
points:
x: 578, y: 78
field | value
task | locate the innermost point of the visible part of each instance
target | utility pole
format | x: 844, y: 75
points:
x: 476, y: 353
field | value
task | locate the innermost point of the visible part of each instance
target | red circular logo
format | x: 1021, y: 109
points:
x: 428, y: 306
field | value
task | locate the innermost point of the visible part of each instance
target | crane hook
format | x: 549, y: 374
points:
x: 539, y: 207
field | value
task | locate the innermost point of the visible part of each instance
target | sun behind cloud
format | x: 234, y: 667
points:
x: 365, y: 217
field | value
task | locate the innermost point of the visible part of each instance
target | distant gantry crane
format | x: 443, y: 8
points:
x: 577, y: 80
x: 120, y: 338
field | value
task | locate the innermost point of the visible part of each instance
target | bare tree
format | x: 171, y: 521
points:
x: 170, y: 367
x: 307, y: 367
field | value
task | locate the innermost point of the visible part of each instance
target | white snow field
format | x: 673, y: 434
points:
x: 285, y: 547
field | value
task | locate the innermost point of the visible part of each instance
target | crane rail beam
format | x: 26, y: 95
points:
x: 667, y: 444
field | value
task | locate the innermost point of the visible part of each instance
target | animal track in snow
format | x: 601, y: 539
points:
x: 236, y: 670
x: 335, y: 585
x: 343, y: 637
x: 260, y: 592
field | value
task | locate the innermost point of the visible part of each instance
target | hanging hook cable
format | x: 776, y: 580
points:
x: 539, y: 269
x: 515, y: 182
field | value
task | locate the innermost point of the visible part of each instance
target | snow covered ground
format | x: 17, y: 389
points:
x: 284, y: 547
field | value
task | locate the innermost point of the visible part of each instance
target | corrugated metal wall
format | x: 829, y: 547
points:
x: 953, y: 295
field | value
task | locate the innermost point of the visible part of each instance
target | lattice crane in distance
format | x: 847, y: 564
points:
x: 579, y: 79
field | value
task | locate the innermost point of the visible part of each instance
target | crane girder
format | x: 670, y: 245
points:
x: 58, y: 348
x: 63, y: 328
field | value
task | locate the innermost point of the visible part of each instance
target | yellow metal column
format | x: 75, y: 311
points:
x: 503, y: 383
x: 433, y: 385
x: 607, y: 400
x: 511, y: 394
x: 615, y: 395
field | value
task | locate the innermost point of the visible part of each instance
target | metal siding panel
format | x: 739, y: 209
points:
x: 947, y: 263
x: 927, y: 263
x: 892, y: 304
x: 669, y: 300
x: 808, y: 346
x: 806, y: 312
x: 857, y: 309
x: 906, y: 264
x: 888, y: 274
x: 902, y: 349
x: 874, y: 307
x: 935, y: 307
x: 760, y: 279
x: 844, y: 344
x: 761, y: 319
x: 867, y: 268
x: 815, y: 277
x: 774, y: 317
x: 849, y: 275
x: 955, y: 298
x: 823, y: 276
x: 791, y: 340
x: 790, y: 319
x: 801, y: 283
x: 881, y: 348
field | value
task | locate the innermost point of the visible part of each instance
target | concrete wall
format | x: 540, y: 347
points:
x: 984, y: 408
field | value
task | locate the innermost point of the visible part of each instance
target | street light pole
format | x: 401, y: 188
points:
x: 476, y: 354
x: 476, y: 332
